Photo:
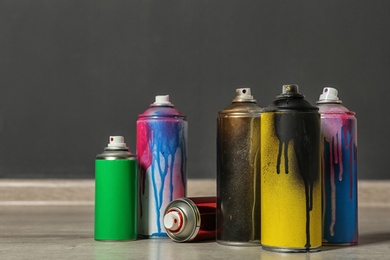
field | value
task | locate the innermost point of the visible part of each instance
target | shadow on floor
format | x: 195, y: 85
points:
x: 367, y: 239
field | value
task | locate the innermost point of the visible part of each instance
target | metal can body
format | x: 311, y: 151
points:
x: 290, y: 174
x: 191, y: 219
x: 116, y: 195
x: 339, y: 158
x: 238, y: 172
x: 161, y: 154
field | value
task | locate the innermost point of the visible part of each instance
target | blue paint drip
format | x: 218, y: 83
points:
x: 166, y: 136
x: 158, y: 235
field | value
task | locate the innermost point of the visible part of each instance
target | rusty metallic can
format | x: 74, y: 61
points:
x: 238, y: 171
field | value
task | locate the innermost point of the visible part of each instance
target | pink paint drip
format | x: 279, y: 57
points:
x: 144, y: 154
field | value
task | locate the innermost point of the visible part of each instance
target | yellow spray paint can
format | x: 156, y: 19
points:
x: 290, y: 174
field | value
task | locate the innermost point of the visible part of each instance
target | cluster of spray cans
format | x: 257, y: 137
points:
x: 286, y: 173
x: 144, y: 195
x: 286, y: 176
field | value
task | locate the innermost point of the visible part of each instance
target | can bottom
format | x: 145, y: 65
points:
x: 291, y: 249
x: 160, y: 235
x: 239, y: 243
x: 115, y: 240
x: 326, y: 243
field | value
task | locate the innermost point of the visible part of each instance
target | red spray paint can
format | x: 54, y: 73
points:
x: 191, y: 219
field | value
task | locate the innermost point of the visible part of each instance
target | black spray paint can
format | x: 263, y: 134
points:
x: 238, y: 171
x: 191, y: 219
x: 290, y: 174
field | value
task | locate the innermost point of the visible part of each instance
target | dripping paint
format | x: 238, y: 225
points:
x: 340, y: 178
x: 302, y: 132
x: 290, y: 181
x: 161, y: 153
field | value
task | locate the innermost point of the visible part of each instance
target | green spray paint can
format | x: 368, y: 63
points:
x: 116, y: 191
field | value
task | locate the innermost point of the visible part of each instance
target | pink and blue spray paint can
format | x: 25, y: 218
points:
x: 162, y: 156
x: 339, y: 166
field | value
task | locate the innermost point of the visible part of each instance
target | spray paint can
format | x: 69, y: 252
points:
x: 238, y: 171
x: 162, y: 156
x: 191, y: 219
x: 116, y: 191
x: 290, y: 174
x: 339, y: 167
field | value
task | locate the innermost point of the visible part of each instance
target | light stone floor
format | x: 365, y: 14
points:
x: 53, y: 219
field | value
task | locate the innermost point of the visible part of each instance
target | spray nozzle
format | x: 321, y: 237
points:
x: 173, y: 221
x: 117, y: 141
x: 162, y: 100
x: 243, y: 95
x: 329, y: 95
x: 291, y: 90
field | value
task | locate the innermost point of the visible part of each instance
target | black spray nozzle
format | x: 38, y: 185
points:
x: 291, y: 90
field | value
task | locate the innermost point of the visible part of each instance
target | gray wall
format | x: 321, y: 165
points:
x: 74, y: 72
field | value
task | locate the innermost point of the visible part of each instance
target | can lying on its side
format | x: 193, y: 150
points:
x: 191, y: 219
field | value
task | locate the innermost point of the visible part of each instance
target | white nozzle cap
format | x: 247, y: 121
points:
x: 173, y: 221
x: 162, y: 100
x: 243, y: 93
x: 117, y: 141
x: 329, y: 94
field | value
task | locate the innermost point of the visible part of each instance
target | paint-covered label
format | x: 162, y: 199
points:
x: 161, y: 154
x: 339, y: 160
x: 290, y: 180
